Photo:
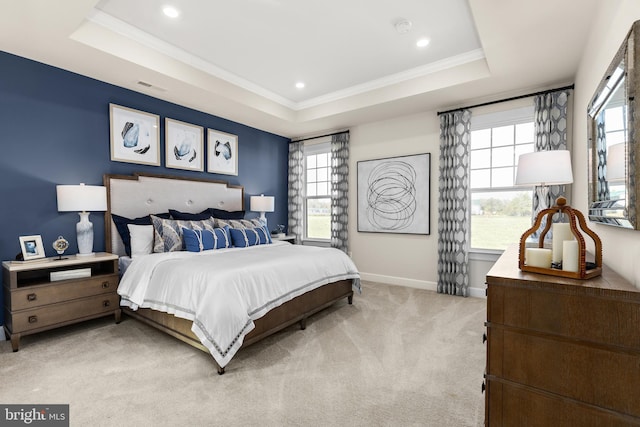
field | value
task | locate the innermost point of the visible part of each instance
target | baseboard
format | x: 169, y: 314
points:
x: 413, y: 283
x: 477, y: 292
x: 399, y: 281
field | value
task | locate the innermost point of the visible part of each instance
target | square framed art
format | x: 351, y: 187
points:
x: 222, y: 153
x: 394, y: 194
x: 184, y: 145
x: 135, y: 136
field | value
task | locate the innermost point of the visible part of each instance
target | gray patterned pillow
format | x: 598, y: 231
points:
x: 167, y: 235
x: 238, y: 223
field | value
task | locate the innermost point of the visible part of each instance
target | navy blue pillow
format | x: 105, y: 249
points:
x: 123, y: 229
x: 190, y: 216
x: 245, y: 237
x: 216, y: 239
x: 222, y: 214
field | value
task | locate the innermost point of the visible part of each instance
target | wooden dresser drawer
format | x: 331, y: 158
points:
x: 564, y: 312
x: 585, y: 373
x: 36, y: 296
x: 44, y: 317
x: 514, y: 405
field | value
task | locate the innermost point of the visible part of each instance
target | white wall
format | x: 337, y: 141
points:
x: 620, y: 248
x: 399, y: 259
x: 412, y: 260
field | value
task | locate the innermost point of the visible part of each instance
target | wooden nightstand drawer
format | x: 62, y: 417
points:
x: 43, y: 317
x: 36, y: 296
x: 34, y: 303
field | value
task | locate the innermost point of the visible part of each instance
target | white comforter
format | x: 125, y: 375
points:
x: 223, y: 291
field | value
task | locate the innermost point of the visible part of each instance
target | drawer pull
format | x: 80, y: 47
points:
x: 32, y: 297
x: 484, y: 387
x: 33, y: 319
x: 484, y: 338
x: 105, y: 285
x: 106, y: 303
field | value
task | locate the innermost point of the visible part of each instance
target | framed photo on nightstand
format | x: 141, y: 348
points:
x: 31, y: 247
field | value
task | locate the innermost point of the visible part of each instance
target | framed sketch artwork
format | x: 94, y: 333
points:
x: 394, y: 194
x: 184, y: 145
x: 222, y: 153
x: 135, y: 136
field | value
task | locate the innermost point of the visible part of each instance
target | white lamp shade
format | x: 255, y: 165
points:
x: 616, y: 162
x: 262, y: 203
x: 552, y: 167
x: 81, y: 198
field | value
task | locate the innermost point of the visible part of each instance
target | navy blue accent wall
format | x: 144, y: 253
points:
x: 54, y: 129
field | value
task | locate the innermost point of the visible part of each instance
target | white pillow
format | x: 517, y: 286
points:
x: 141, y: 239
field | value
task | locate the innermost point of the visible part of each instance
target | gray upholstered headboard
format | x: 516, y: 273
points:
x: 142, y: 194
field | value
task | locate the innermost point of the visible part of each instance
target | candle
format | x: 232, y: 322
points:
x: 561, y: 232
x: 537, y: 257
x: 570, y: 255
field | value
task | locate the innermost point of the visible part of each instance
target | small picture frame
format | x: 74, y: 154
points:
x: 135, y: 136
x: 31, y: 247
x: 184, y: 145
x: 222, y: 153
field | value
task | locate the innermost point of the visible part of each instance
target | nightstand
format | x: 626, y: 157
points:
x: 44, y: 294
x: 286, y: 238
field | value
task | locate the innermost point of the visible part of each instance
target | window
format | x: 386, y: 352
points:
x: 500, y: 212
x: 615, y: 130
x: 317, y: 203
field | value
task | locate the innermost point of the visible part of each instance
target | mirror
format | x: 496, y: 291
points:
x: 612, y: 143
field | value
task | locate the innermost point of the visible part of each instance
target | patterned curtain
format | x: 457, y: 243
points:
x: 453, y: 203
x: 340, y: 191
x: 550, y: 127
x: 601, y: 152
x: 296, y: 170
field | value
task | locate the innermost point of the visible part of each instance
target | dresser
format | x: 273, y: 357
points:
x: 45, y: 294
x: 561, y: 352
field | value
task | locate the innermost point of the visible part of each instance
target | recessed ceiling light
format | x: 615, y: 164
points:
x: 422, y: 42
x: 170, y: 11
x: 300, y: 85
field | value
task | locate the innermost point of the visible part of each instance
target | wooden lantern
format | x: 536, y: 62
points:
x: 575, y: 216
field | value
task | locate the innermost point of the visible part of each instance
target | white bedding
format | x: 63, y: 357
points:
x: 223, y: 291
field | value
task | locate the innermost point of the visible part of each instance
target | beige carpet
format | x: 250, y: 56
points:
x: 396, y: 357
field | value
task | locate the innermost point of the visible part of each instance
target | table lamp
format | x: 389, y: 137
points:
x: 544, y: 168
x: 82, y: 199
x: 262, y: 204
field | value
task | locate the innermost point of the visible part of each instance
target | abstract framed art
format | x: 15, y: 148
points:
x: 222, y: 153
x: 135, y: 136
x: 394, y: 195
x: 184, y: 145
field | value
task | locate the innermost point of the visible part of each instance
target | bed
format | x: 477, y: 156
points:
x: 283, y: 299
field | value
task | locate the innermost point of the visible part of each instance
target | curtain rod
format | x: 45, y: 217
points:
x: 513, y: 98
x: 321, y: 136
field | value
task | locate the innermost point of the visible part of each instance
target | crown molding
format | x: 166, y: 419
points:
x: 120, y: 27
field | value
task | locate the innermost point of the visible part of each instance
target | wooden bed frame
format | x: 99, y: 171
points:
x: 147, y: 194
